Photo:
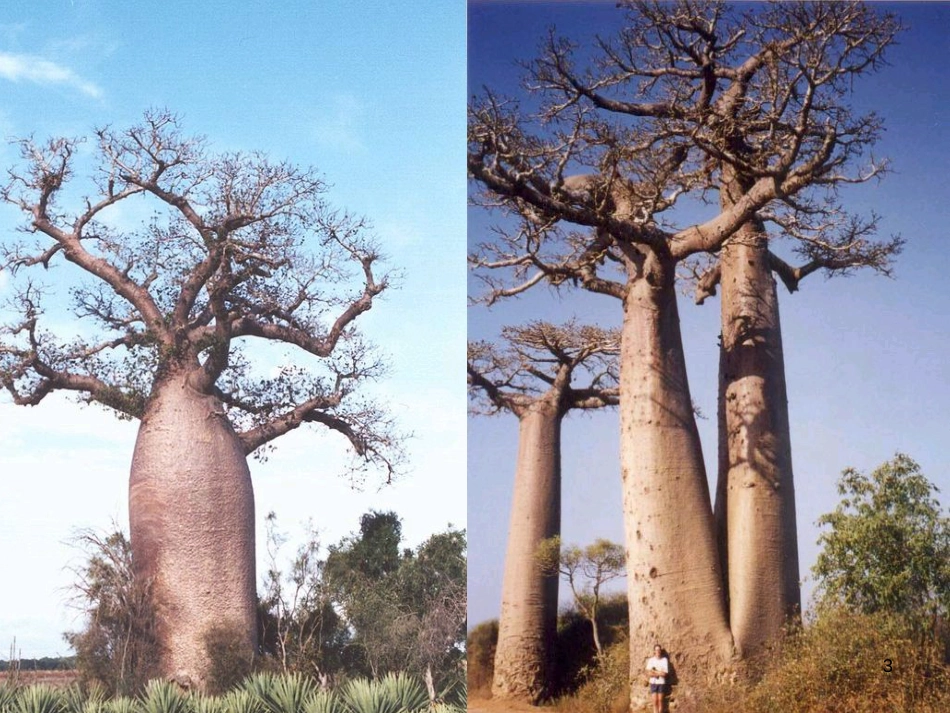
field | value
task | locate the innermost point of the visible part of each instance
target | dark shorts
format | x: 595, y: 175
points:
x: 657, y: 687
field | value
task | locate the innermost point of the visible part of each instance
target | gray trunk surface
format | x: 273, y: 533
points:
x: 527, y: 626
x: 755, y: 499
x: 674, y: 579
x: 191, y: 512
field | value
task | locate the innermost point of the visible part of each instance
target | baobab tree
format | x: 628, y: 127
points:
x: 531, y: 377
x: 240, y: 250
x: 614, y: 144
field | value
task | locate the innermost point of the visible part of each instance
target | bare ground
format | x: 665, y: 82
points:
x: 492, y: 705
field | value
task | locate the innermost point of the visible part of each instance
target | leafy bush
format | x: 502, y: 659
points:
x: 116, y: 649
x: 605, y: 686
x: 839, y: 663
x: 229, y: 663
x: 480, y: 646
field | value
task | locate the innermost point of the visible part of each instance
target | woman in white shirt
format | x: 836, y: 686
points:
x: 658, y: 667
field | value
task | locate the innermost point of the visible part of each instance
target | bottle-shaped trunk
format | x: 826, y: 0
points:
x: 674, y: 580
x: 191, y: 512
x: 527, y: 627
x: 755, y: 498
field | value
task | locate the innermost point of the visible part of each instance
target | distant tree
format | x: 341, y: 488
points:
x: 406, y: 609
x: 887, y: 546
x: 585, y: 570
x: 533, y: 373
x: 434, y: 585
x: 299, y: 627
x: 240, y: 250
x: 116, y: 646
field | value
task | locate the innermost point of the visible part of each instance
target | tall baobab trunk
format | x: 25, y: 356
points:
x: 755, y: 499
x: 674, y: 579
x: 527, y: 627
x: 191, y: 512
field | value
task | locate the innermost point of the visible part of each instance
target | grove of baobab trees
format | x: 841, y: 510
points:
x: 532, y: 377
x: 239, y: 250
x: 602, y: 179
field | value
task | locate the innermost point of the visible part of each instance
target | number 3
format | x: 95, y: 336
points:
x: 887, y: 666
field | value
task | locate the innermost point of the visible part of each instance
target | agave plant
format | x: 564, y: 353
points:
x: 207, y: 704
x: 394, y: 693
x: 282, y: 694
x: 122, y: 704
x: 259, y: 685
x: 77, y: 701
x: 165, y: 697
x: 409, y: 691
x: 324, y: 702
x: 7, y: 694
x: 446, y: 708
x: 38, y: 698
x: 241, y: 701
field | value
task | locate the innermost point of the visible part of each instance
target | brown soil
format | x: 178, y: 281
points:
x: 492, y: 705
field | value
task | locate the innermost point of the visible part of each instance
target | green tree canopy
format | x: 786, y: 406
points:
x: 585, y: 570
x: 888, y: 543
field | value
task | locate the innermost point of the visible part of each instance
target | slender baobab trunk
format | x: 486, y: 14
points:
x: 755, y: 499
x: 674, y: 579
x: 191, y: 512
x: 527, y: 627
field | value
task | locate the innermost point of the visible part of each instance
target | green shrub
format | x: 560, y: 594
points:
x: 230, y: 662
x: 480, y: 647
x: 603, y: 683
x: 575, y: 652
x: 838, y: 662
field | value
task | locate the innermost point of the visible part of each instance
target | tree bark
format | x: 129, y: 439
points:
x: 674, y: 579
x: 191, y: 512
x: 527, y: 626
x: 755, y: 498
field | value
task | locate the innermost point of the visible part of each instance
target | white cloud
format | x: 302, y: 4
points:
x: 339, y: 127
x: 22, y: 67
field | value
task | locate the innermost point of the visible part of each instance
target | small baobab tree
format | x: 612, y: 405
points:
x: 531, y: 376
x: 240, y: 250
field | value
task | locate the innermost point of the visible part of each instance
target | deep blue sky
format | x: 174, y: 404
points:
x: 371, y: 94
x: 865, y: 355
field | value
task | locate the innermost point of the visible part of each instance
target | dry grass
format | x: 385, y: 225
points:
x: 836, y: 663
x: 58, y: 679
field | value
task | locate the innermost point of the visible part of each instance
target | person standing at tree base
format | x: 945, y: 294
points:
x: 658, y: 668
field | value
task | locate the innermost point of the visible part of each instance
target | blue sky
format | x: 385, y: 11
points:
x: 865, y: 355
x: 372, y: 95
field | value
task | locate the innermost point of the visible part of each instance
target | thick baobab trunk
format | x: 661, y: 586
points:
x: 527, y: 627
x: 674, y: 579
x: 755, y: 498
x: 191, y: 512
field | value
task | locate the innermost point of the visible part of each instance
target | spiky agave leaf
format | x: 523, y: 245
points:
x: 259, y: 685
x: 284, y: 694
x: 123, y: 704
x: 241, y: 701
x: 7, y: 695
x: 38, y: 698
x: 362, y: 695
x: 207, y: 704
x: 406, y: 689
x: 324, y: 702
x: 165, y: 697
